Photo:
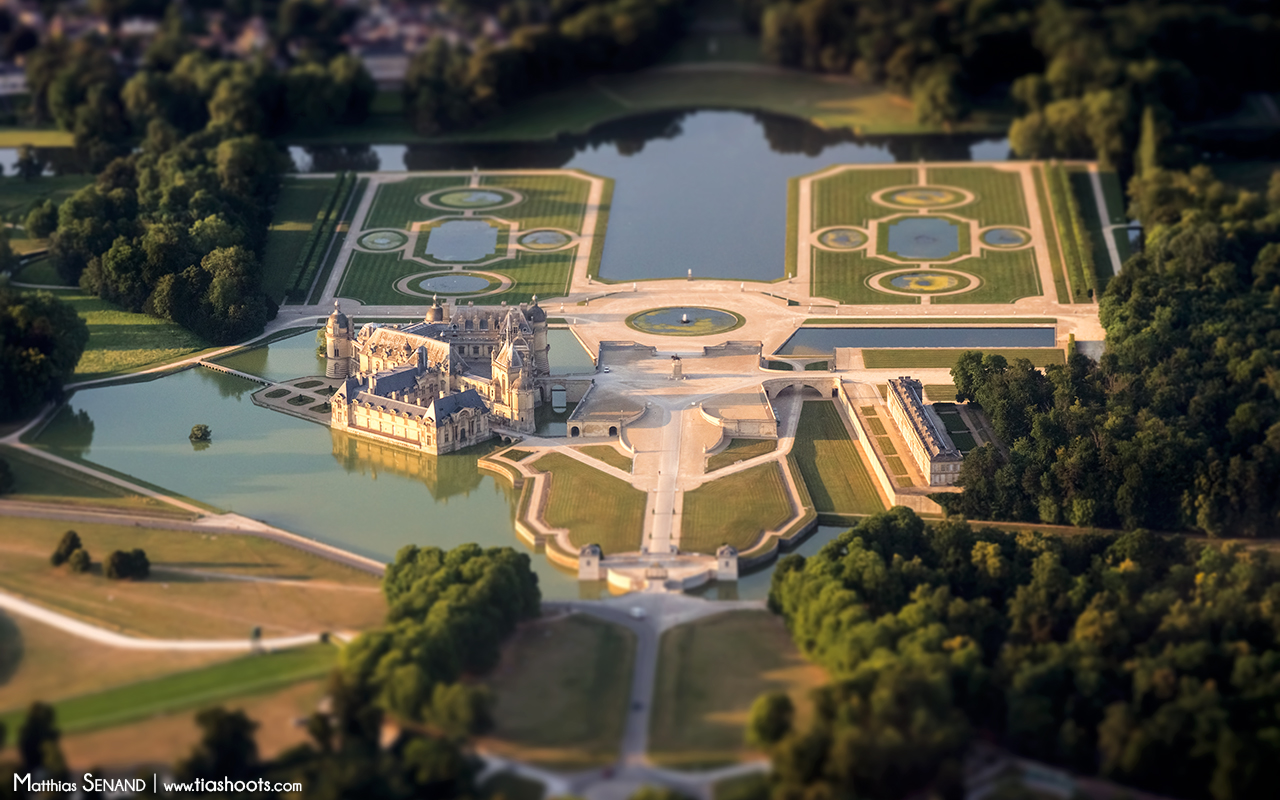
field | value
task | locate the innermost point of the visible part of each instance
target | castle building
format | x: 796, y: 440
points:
x: 924, y: 433
x: 441, y: 384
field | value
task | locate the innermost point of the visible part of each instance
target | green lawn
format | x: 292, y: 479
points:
x: 940, y: 392
x: 608, y: 454
x: 249, y: 675
x: 843, y: 276
x: 561, y: 693
x: 122, y: 342
x: 1050, y: 229
x: 595, y: 507
x: 734, y: 510
x: 13, y: 136
x: 395, y: 205
x: 343, y: 224
x: 39, y: 271
x: 998, y: 196
x: 832, y: 466
x: 20, y: 195
x: 1092, y: 217
x: 41, y: 481
x: 905, y: 357
x: 740, y: 450
x: 709, y: 673
x: 854, y: 321
x: 845, y: 198
x: 1007, y: 276
x: 295, y: 213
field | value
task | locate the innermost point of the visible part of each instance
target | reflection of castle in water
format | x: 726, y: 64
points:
x: 444, y: 476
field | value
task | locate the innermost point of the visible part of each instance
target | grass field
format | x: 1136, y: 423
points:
x: 121, y: 342
x: 595, y: 507
x: 561, y: 692
x: 833, y: 468
x: 193, y: 591
x: 295, y: 213
x: 998, y: 196
x: 1060, y: 287
x: 20, y: 195
x: 940, y: 392
x: 14, y: 136
x: 845, y: 198
x: 41, y: 481
x: 608, y: 454
x: 395, y: 205
x: 843, y: 277
x: 709, y: 673
x: 945, y: 358
x: 853, y: 321
x: 1007, y: 276
x: 734, y: 510
x: 1092, y: 217
x: 740, y: 450
x: 164, y: 738
x: 190, y: 689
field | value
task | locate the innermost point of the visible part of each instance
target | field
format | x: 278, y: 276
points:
x: 595, y: 507
x: 197, y: 587
x: 556, y: 200
x: 1060, y: 287
x: 846, y: 198
x: 956, y: 429
x: 121, y: 342
x: 606, y: 453
x: 997, y: 194
x: 11, y: 136
x: 41, y: 481
x: 295, y: 213
x: 945, y: 358
x: 561, y: 692
x: 740, y: 450
x: 734, y: 510
x: 709, y: 673
x: 853, y: 321
x: 18, y: 195
x: 833, y: 468
x: 166, y: 737
x: 190, y: 689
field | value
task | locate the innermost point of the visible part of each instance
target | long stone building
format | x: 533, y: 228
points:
x: 441, y: 384
x: 924, y: 433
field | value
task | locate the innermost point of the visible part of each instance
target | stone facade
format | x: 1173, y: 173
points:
x: 441, y: 384
x: 924, y: 433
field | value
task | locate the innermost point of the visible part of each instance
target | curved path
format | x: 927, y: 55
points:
x: 108, y: 638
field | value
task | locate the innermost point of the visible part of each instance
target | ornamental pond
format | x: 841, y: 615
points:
x: 823, y: 341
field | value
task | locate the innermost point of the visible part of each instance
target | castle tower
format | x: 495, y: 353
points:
x: 541, y: 349
x: 338, y: 344
x: 512, y: 371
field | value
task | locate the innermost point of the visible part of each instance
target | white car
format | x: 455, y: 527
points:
x: 606, y: 369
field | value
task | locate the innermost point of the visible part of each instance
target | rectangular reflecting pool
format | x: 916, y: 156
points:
x: 823, y: 341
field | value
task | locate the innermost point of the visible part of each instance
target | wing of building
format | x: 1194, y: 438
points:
x: 925, y: 435
x: 441, y: 384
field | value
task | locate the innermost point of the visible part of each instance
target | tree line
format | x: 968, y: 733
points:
x: 41, y: 341
x: 1082, y: 72
x: 1147, y: 660
x: 175, y: 228
x: 1178, y: 425
x: 452, y: 85
x: 448, y: 614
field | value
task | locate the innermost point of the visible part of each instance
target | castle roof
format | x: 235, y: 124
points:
x: 442, y: 408
x: 935, y: 441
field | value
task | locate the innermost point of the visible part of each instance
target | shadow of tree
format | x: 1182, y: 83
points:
x: 11, y: 648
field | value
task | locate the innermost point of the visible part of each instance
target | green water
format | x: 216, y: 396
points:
x: 294, y: 357
x: 568, y: 356
x: 300, y: 476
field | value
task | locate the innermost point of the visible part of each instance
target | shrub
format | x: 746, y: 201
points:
x: 132, y: 565
x: 201, y: 433
x: 69, y: 543
x: 79, y: 562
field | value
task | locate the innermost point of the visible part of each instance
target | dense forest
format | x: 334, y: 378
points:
x: 41, y: 341
x: 453, y: 85
x: 1179, y: 424
x: 449, y: 612
x: 1083, y: 72
x: 1148, y: 660
x: 175, y: 227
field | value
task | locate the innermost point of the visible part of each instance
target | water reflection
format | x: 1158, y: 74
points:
x: 446, y: 476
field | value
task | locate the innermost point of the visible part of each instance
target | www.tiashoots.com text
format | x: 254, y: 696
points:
x: 92, y: 784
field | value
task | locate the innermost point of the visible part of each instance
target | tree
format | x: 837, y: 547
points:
x: 42, y: 220
x: 201, y: 433
x: 79, y: 562
x: 7, y: 479
x: 38, y: 738
x: 132, y: 565
x: 29, y: 165
x: 41, y: 340
x: 770, y: 719
x: 68, y: 544
x: 226, y: 749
